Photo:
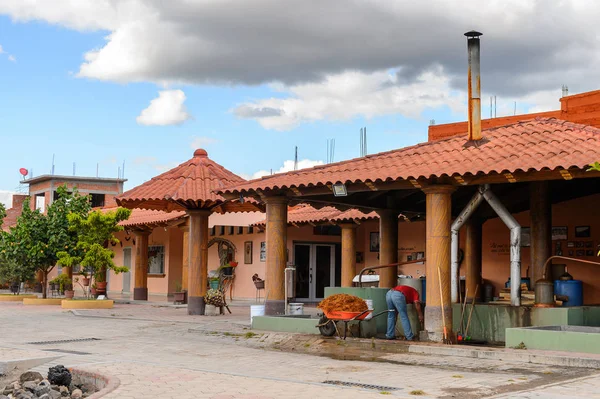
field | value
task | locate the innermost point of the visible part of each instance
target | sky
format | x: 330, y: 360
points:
x: 99, y: 83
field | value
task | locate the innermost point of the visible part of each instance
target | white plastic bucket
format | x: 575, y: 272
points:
x: 370, y: 306
x: 256, y: 310
x: 295, y: 308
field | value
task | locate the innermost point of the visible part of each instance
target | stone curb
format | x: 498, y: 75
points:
x: 111, y: 383
x: 517, y: 356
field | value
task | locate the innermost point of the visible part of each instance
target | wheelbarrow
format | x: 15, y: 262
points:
x: 328, y: 321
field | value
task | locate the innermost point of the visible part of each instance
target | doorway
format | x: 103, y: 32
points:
x: 315, y: 270
x: 127, y: 264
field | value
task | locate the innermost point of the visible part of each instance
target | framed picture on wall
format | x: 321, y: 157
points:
x: 571, y: 244
x: 248, y: 252
x: 263, y: 251
x: 525, y: 236
x: 359, y: 257
x: 374, y: 241
x: 559, y: 233
x: 583, y: 231
x: 589, y: 252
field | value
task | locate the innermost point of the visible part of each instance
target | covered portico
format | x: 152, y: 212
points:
x: 190, y: 187
x: 436, y: 181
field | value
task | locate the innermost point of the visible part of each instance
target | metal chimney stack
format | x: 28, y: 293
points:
x: 473, y: 48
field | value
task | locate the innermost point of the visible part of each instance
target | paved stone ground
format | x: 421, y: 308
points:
x: 163, y: 353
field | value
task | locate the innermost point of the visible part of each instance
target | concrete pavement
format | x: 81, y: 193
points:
x: 163, y: 353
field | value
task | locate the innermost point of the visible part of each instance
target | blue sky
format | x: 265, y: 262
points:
x: 102, y: 82
x: 46, y: 110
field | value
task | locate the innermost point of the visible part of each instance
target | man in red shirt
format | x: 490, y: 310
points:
x: 397, y: 298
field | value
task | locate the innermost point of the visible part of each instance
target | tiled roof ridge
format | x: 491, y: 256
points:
x: 422, y: 160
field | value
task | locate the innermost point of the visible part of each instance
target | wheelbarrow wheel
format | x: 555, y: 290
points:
x: 326, y: 327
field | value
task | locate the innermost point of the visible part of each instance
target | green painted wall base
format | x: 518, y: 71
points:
x: 285, y: 324
x: 489, y: 322
x: 556, y: 338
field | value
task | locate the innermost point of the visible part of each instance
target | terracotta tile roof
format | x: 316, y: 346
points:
x: 540, y: 143
x: 303, y: 214
x: 142, y: 217
x: 193, y: 184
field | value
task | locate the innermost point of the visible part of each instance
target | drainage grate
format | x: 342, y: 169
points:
x: 363, y: 386
x: 64, y: 341
x: 67, y: 351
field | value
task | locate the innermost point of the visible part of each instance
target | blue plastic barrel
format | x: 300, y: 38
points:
x: 570, y: 288
x: 423, y: 286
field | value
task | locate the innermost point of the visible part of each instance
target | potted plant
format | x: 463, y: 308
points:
x: 85, y: 281
x: 228, y: 268
x: 213, y: 283
x: 180, y: 295
x: 62, y: 282
x: 15, y: 287
x: 93, y: 289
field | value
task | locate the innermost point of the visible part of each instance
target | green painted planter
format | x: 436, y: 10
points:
x: 214, y: 284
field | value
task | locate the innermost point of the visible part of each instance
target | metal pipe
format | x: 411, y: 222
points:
x: 384, y: 266
x: 565, y: 258
x: 474, y: 85
x: 515, y: 245
x: 454, y: 242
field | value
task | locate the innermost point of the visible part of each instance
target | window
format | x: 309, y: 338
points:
x: 221, y: 230
x: 240, y: 230
x: 250, y: 229
x: 156, y: 259
x: 40, y: 203
x: 230, y: 230
x: 97, y: 200
x: 213, y: 231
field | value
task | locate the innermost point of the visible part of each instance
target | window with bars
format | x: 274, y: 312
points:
x: 240, y: 230
x: 156, y: 259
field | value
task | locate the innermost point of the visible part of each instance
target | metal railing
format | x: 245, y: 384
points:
x: 362, y: 272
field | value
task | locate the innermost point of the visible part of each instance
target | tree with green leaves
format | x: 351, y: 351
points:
x: 32, y: 245
x: 94, y: 232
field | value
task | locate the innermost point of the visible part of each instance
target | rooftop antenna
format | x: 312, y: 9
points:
x: 515, y: 108
x: 123, y: 170
x: 565, y: 90
x: 491, y: 107
x: 119, y: 172
x: 495, y: 107
x: 296, y: 158
x: 363, y: 141
x: 366, y: 151
x: 330, y: 150
x: 52, y: 170
x: 431, y: 122
x: 97, y: 169
x: 73, y: 168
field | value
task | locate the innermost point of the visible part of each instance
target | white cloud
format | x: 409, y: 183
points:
x: 287, y: 166
x: 527, y: 52
x: 343, y: 96
x: 144, y: 160
x: 1, y: 49
x: 12, y: 58
x: 201, y: 142
x: 164, y: 167
x: 166, y: 109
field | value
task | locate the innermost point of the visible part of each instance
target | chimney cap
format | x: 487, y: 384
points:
x: 473, y: 33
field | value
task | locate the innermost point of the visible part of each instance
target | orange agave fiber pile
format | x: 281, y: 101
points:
x: 343, y: 303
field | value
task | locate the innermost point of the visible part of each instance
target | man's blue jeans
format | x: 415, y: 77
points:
x: 396, y: 302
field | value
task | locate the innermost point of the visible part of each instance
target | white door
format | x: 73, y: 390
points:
x: 315, y: 270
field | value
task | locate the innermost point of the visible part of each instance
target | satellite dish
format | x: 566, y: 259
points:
x: 23, y: 171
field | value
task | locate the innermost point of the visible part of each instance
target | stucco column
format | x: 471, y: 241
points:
x: 198, y: 261
x: 473, y: 258
x: 388, y: 248
x: 276, y: 241
x: 68, y: 271
x: 348, y: 253
x: 185, y: 263
x: 437, y: 236
x: 541, y: 228
x: 140, y: 287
